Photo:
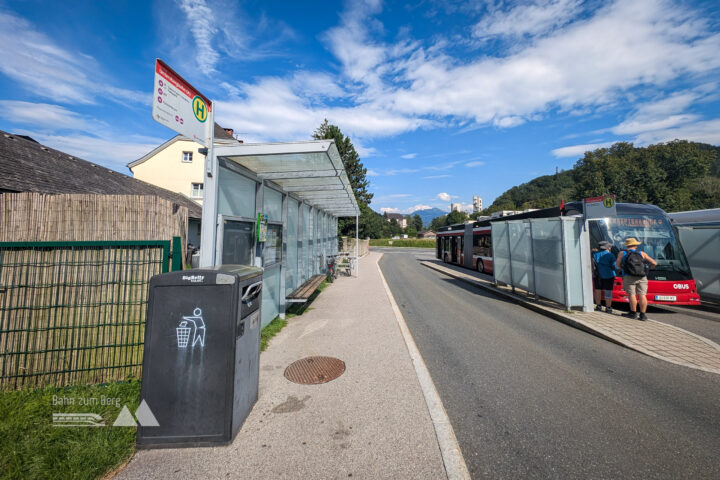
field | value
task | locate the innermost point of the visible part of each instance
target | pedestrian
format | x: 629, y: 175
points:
x: 605, y: 264
x: 633, y: 263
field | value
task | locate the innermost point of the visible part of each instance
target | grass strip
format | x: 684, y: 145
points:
x: 270, y: 330
x: 31, y: 447
x: 403, y: 242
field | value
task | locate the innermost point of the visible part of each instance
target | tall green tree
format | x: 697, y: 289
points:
x: 356, y: 172
x: 370, y: 222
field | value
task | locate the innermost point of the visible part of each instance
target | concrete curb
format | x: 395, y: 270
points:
x: 568, y: 320
x: 455, y: 467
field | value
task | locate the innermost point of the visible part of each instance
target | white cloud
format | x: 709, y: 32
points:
x: 114, y: 152
x: 418, y: 207
x: 44, y: 115
x: 46, y: 70
x: 201, y: 20
x: 532, y: 19
x: 437, y: 176
x: 372, y: 173
x: 578, y: 150
x: 399, y: 195
x: 444, y: 196
x: 405, y: 211
x: 408, y: 156
x: 701, y: 131
x: 475, y: 164
x: 576, y: 61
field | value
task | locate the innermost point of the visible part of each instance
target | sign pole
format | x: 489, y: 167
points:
x: 208, y: 233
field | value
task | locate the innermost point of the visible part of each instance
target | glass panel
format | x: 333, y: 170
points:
x: 270, y: 294
x: 309, y: 270
x: 305, y: 256
x: 521, y: 255
x: 291, y: 272
x: 272, y: 204
x: 237, y: 243
x: 236, y: 194
x: 547, y: 246
x: 501, y: 254
x: 272, y: 251
x: 702, y: 245
x: 572, y: 245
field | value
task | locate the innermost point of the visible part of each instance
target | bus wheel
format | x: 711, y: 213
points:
x: 480, y: 266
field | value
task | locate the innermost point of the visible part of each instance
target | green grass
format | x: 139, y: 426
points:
x: 270, y: 330
x: 30, y: 447
x: 403, y: 242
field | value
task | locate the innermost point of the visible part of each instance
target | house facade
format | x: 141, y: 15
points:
x: 177, y: 165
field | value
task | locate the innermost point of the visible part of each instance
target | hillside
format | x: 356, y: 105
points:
x: 675, y: 176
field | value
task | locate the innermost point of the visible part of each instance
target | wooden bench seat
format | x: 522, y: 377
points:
x: 304, y: 291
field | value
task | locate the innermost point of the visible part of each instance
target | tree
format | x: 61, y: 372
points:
x: 411, y: 231
x: 417, y: 222
x: 369, y: 222
x: 456, y: 217
x: 356, y: 172
x: 438, y: 222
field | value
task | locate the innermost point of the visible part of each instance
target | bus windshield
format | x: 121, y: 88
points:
x: 657, y: 238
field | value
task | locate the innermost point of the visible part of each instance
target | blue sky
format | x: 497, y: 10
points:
x: 444, y: 100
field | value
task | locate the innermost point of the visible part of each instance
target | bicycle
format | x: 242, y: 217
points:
x: 332, y: 272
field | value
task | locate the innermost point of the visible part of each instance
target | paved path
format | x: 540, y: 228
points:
x: 372, y: 422
x: 651, y: 337
x: 530, y: 397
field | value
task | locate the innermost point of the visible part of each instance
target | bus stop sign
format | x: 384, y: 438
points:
x: 600, y: 207
x: 179, y: 106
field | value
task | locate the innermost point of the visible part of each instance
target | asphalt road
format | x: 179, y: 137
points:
x: 530, y: 397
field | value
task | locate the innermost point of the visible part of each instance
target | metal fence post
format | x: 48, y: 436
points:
x: 176, y: 255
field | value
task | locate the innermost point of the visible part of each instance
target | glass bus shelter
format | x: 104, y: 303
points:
x: 296, y: 190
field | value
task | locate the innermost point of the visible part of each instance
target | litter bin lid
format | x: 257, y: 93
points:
x: 242, y: 271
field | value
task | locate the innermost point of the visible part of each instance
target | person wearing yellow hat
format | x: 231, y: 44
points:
x: 633, y: 263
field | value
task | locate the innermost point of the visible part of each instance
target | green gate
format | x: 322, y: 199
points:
x: 74, y: 312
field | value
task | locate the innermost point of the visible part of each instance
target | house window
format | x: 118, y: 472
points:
x: 197, y: 190
x: 187, y: 157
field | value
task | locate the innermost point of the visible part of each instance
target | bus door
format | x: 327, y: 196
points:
x: 454, y: 249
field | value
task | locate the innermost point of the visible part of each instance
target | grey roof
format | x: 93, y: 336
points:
x: 221, y: 137
x: 28, y: 166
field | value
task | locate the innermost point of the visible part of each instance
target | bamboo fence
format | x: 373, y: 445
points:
x: 75, y: 315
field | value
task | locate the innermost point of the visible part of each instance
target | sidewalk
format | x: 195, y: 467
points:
x: 653, y: 338
x: 371, y: 422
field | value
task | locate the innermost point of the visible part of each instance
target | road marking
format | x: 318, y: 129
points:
x: 452, y: 456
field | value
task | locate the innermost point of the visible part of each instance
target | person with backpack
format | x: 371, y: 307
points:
x: 632, y: 262
x: 604, y: 263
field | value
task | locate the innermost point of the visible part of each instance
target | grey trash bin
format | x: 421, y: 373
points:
x: 201, y: 357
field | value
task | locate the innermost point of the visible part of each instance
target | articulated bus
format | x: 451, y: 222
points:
x: 670, y: 282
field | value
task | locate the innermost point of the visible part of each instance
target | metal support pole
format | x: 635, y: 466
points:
x: 357, y: 249
x: 586, y: 268
x: 208, y: 229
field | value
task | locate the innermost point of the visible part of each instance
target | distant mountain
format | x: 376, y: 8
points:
x: 428, y: 215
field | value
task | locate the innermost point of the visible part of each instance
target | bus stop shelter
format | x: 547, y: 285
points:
x: 275, y: 205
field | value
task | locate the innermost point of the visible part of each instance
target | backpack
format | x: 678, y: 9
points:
x: 633, y: 264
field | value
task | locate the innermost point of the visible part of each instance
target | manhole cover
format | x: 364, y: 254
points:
x: 314, y: 370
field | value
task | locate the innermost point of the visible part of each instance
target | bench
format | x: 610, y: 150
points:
x: 304, y: 291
